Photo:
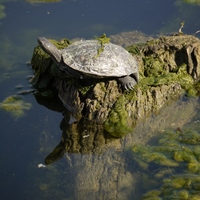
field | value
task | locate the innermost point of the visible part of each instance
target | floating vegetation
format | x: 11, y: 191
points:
x: 2, y: 11
x: 43, y: 1
x: 15, y: 105
x: 179, y: 151
x: 193, y: 2
x: 179, y: 187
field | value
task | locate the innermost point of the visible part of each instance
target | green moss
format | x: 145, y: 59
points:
x: 155, y: 74
x: 62, y: 43
x: 15, y: 106
x: 153, y: 67
x: 186, y: 81
x: 84, y: 89
x: 117, y: 123
x: 155, y: 70
x: 102, y: 40
x: 135, y: 49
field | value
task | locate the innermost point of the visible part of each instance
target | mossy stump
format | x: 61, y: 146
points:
x: 168, y: 66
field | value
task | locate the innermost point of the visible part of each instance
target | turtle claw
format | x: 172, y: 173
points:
x: 125, y: 87
x: 128, y: 83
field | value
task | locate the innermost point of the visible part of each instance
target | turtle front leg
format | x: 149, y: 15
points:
x: 127, y: 82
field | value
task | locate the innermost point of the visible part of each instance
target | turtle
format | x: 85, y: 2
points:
x: 82, y: 59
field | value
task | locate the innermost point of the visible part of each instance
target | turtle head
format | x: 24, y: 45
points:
x: 50, y: 49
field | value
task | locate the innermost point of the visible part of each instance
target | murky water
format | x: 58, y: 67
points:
x: 27, y: 140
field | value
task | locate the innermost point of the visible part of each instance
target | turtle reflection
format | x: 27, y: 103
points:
x: 81, y: 137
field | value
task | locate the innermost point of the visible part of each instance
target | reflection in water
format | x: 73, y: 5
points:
x: 2, y: 11
x: 83, y: 136
x: 92, y: 166
x: 98, y: 165
x: 15, y: 105
x: 175, y: 159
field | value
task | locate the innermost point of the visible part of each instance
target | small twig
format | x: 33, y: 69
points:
x: 180, y: 29
x: 196, y: 32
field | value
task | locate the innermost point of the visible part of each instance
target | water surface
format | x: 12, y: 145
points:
x: 27, y: 140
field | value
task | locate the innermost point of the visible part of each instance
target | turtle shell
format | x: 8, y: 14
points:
x: 113, y: 61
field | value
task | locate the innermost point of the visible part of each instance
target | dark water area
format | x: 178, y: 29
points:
x: 28, y: 139
x: 87, y: 18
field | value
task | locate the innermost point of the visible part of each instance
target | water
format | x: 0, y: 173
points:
x: 27, y: 140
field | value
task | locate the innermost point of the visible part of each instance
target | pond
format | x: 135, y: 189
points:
x: 104, y: 170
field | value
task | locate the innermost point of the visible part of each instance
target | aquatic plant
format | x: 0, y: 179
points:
x: 43, y: 1
x: 197, y: 2
x: 2, y: 11
x: 15, y: 105
x: 178, y: 151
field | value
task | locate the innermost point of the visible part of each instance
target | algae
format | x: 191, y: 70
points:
x: 155, y: 70
x: 118, y: 124
x: 2, y: 11
x: 135, y: 48
x: 179, y: 151
x: 43, y: 1
x: 101, y: 40
x: 153, y: 67
x: 15, y: 105
x: 193, y: 2
x: 182, y: 186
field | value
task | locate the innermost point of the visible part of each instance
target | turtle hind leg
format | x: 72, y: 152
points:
x: 127, y: 82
